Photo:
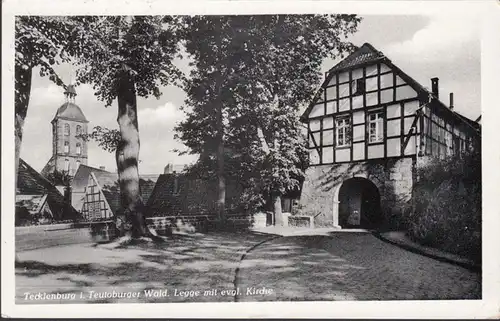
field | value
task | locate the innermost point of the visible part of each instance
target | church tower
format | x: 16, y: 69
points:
x: 68, y: 149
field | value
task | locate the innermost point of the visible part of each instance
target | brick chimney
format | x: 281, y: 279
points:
x: 451, y: 101
x: 435, y: 86
x: 169, y: 169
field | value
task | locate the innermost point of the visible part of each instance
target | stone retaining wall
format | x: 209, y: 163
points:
x: 392, y: 177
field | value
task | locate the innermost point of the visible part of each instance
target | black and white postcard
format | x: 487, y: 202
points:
x: 250, y: 159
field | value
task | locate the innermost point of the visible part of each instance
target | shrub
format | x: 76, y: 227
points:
x: 447, y: 205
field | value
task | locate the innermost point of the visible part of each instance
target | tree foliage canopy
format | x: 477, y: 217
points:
x: 260, y: 70
x: 143, y: 46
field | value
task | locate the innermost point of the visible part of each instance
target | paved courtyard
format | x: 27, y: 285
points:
x: 232, y: 267
x: 351, y: 266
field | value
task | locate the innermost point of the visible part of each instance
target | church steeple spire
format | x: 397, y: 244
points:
x: 70, y: 93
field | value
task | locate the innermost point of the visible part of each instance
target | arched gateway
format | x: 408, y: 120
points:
x: 358, y: 202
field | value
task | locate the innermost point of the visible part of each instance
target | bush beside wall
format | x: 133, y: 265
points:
x: 446, y: 205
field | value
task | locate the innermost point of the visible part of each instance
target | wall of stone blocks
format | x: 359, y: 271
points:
x: 393, y: 178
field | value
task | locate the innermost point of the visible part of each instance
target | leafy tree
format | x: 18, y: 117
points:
x: 251, y: 76
x: 123, y: 57
x: 38, y: 44
x: 107, y: 139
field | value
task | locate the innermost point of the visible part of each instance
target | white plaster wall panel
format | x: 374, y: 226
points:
x: 331, y: 107
x: 344, y: 90
x: 344, y: 104
x: 342, y: 155
x: 358, y: 151
x: 317, y: 110
x: 327, y: 122
x: 386, y: 96
x: 358, y: 117
x: 343, y: 76
x: 411, y: 107
x: 386, y: 80
x: 357, y: 73
x: 384, y: 68
x: 331, y: 93
x: 375, y: 151
x: 328, y: 137
x: 371, y: 99
x: 410, y: 148
x: 371, y: 70
x: 393, y: 111
x: 327, y: 154
x: 358, y: 133
x: 371, y: 84
x: 394, y: 127
x: 393, y: 147
x: 405, y: 92
x: 357, y: 102
x: 314, y: 124
x: 408, y: 123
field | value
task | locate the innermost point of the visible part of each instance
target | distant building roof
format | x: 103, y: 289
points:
x: 70, y: 111
x: 30, y: 182
x: 81, y: 178
x: 111, y: 189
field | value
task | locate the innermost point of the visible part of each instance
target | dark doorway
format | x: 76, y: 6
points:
x: 359, y: 204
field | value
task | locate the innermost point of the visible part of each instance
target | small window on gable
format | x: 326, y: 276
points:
x: 358, y: 86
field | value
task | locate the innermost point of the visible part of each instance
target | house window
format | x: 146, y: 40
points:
x: 66, y: 165
x: 358, y: 86
x: 66, y: 147
x: 376, y: 127
x: 78, y: 129
x: 77, y: 164
x: 66, y: 129
x: 343, y: 131
x: 78, y: 148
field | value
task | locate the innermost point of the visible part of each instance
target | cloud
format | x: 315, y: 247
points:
x: 167, y: 114
x: 445, y: 38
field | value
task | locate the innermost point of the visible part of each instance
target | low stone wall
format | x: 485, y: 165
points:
x: 300, y: 221
x: 163, y: 225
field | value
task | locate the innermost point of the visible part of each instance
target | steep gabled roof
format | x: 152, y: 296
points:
x: 367, y: 54
x: 362, y: 55
x: 81, y: 178
x: 111, y: 188
x: 30, y: 182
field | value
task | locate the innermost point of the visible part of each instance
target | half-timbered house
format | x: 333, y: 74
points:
x: 369, y: 126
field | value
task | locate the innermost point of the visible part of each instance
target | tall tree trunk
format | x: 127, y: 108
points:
x: 127, y: 155
x: 22, y: 98
x: 278, y: 213
x: 221, y: 188
x: 221, y: 179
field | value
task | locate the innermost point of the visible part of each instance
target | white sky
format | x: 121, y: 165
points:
x: 422, y: 46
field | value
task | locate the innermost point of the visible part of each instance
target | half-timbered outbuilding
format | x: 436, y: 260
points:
x: 369, y: 126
